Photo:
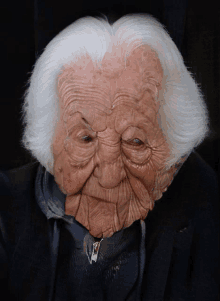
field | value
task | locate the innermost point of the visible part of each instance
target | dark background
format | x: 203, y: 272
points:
x: 27, y: 27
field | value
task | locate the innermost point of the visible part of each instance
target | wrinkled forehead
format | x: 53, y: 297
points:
x: 116, y: 74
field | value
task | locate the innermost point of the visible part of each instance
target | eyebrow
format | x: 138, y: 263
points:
x: 87, y: 123
x: 84, y: 119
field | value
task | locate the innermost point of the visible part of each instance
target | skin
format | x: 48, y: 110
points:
x: 109, y: 151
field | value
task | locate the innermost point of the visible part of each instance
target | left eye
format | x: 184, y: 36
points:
x: 136, y: 141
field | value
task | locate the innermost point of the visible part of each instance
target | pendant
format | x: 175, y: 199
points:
x: 95, y: 250
x: 89, y: 242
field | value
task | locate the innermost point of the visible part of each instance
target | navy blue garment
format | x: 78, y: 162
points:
x: 178, y: 254
x: 77, y: 278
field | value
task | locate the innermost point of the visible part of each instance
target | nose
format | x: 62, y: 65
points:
x: 109, y: 167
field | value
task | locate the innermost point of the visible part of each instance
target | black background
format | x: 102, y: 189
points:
x: 28, y: 26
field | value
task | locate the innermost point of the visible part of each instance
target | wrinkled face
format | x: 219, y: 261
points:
x: 109, y: 151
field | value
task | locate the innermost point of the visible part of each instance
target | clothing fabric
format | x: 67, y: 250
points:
x: 174, y: 257
x: 77, y: 278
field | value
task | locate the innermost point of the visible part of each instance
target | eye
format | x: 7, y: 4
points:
x: 135, y: 142
x: 138, y: 141
x: 87, y: 138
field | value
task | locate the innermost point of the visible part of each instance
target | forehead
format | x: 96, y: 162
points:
x: 115, y: 75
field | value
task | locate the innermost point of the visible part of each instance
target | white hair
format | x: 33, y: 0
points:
x: 183, y: 115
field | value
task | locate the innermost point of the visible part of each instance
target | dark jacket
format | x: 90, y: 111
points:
x: 181, y: 239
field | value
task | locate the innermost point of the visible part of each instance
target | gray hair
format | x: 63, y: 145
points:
x: 183, y: 116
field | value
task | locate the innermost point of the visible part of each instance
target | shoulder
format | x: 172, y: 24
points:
x: 205, y: 175
x: 198, y: 181
x: 15, y: 182
x: 17, y: 201
x: 193, y: 193
x: 16, y: 191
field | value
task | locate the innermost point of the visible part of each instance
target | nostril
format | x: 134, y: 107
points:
x: 109, y: 174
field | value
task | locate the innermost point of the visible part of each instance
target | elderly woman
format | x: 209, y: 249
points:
x: 118, y: 206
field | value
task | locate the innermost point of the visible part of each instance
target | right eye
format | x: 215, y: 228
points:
x: 87, y: 138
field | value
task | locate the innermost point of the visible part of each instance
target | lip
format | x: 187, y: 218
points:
x: 80, y: 192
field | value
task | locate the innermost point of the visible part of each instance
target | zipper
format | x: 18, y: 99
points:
x: 95, y: 251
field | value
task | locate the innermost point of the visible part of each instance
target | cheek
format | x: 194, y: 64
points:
x: 143, y: 193
x: 71, y: 178
x: 138, y: 156
x: 145, y: 167
x: 145, y: 173
x: 143, y: 181
x: 73, y: 163
x: 79, y: 154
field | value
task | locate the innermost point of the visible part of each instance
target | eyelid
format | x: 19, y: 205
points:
x: 131, y: 140
x: 87, y: 136
x: 134, y: 144
x: 133, y: 132
x: 83, y: 133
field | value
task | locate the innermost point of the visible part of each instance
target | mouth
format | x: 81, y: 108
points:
x: 97, y: 198
x: 81, y: 193
x: 94, y: 190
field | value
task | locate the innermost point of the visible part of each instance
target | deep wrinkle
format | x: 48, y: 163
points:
x: 111, y: 181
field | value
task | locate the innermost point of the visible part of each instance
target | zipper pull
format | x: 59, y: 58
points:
x: 95, y: 250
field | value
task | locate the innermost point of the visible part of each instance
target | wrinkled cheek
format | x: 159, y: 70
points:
x: 165, y: 179
x: 70, y: 178
x: 147, y: 183
x: 144, y: 173
x: 141, y: 191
